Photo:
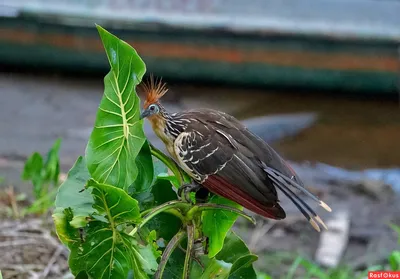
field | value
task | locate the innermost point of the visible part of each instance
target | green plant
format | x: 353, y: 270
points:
x: 44, y: 176
x: 313, y: 270
x: 118, y: 211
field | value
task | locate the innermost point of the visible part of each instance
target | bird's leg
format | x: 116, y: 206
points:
x: 202, y: 195
x: 186, y: 189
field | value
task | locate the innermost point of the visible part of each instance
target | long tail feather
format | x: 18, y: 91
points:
x: 299, y: 187
x: 283, y: 185
x: 301, y: 205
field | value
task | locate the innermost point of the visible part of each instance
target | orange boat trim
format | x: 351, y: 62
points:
x: 288, y: 58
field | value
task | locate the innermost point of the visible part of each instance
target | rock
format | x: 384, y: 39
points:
x: 333, y: 241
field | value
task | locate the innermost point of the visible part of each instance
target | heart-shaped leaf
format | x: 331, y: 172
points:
x: 117, y: 136
x: 103, y: 249
x: 217, y: 223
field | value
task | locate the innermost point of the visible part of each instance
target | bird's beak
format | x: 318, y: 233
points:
x: 144, y: 114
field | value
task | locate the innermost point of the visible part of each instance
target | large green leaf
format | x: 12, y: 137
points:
x: 217, y: 223
x: 71, y: 193
x: 117, y: 136
x: 106, y: 250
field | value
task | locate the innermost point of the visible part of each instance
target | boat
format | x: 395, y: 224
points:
x: 331, y: 45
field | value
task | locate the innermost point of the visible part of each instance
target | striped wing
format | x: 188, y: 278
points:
x: 215, y: 159
x: 226, y: 158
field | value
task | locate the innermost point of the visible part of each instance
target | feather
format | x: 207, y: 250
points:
x: 154, y: 90
x: 230, y: 161
x: 217, y: 151
x: 220, y: 186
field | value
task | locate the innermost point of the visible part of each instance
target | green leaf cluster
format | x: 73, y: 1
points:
x: 118, y: 211
x: 44, y: 175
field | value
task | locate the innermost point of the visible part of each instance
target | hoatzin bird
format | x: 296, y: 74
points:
x: 224, y: 157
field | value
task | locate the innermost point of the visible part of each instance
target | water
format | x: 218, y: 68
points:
x: 354, y: 133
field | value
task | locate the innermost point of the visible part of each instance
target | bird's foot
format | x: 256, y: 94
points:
x: 185, y: 190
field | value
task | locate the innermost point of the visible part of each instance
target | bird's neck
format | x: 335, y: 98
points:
x: 167, y: 126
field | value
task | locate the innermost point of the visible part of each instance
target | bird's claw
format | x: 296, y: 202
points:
x: 185, y: 190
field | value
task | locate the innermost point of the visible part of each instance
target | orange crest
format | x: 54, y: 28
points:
x: 154, y: 90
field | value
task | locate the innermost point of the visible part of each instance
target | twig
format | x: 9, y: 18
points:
x: 17, y: 242
x: 189, y: 250
x: 53, y: 259
x: 22, y: 267
x: 173, y: 243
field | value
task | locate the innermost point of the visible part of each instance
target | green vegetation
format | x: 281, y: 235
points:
x: 313, y: 270
x: 118, y: 211
x: 44, y: 176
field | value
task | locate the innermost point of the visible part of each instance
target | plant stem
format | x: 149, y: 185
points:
x: 182, y: 177
x: 173, y: 243
x: 212, y: 206
x: 188, y: 257
x: 161, y: 208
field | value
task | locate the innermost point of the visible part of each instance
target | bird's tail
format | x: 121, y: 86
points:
x: 284, y: 184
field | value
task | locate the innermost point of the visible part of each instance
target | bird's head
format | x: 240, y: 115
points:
x: 154, y: 90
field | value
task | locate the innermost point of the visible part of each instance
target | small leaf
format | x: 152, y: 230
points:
x: 152, y: 241
x: 394, y: 260
x: 70, y: 193
x: 33, y: 171
x: 52, y: 165
x: 217, y: 223
x: 65, y: 232
x: 243, y: 268
x: 117, y: 136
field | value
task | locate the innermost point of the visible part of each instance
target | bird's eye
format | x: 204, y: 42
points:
x: 153, y: 108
